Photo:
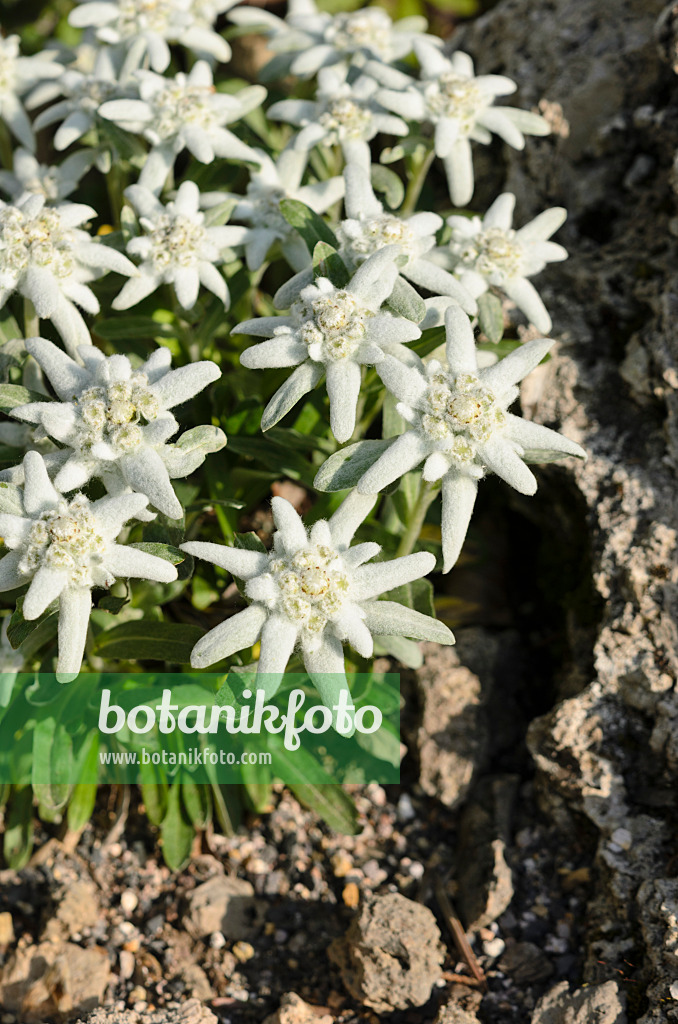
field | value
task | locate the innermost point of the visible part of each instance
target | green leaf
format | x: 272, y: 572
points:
x: 9, y: 328
x: 134, y: 327
x: 308, y: 223
x: 249, y: 542
x: 328, y: 263
x: 83, y: 798
x: 145, y: 640
x: 164, y: 551
x: 343, y: 469
x: 417, y: 595
x: 429, y: 341
x: 196, y: 800
x: 192, y: 448
x: 405, y: 301
x: 392, y: 423
x: 52, y: 766
x: 18, y: 839
x: 12, y: 395
x: 11, y: 500
x: 490, y: 316
x: 407, y: 652
x: 384, y: 744
x: 216, y: 216
x: 387, y: 181
x: 112, y: 604
x: 153, y: 784
x: 176, y: 831
x: 19, y: 628
x: 537, y: 455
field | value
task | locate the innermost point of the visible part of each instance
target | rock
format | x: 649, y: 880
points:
x: 227, y: 905
x: 525, y: 964
x: 452, y: 736
x: 293, y: 1010
x: 190, y: 1012
x: 53, y: 979
x: 604, y: 1004
x: 390, y: 957
x: 484, y: 879
x: 6, y: 929
x: 453, y: 1013
x: 78, y: 909
x: 607, y: 754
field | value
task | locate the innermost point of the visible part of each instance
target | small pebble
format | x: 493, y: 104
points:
x: 351, y: 895
x: 621, y: 837
x: 217, y: 940
x: 6, y: 929
x: 138, y: 995
x: 341, y: 864
x: 673, y: 990
x: 405, y: 810
x: 242, y: 951
x: 129, y: 901
x: 494, y: 947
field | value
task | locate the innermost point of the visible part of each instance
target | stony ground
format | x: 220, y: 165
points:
x: 525, y: 870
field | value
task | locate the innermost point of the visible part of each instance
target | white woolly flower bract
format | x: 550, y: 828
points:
x: 17, y: 76
x: 54, y: 183
x: 487, y: 252
x: 341, y: 115
x: 184, y: 112
x: 315, y: 591
x: 46, y: 257
x: 144, y: 28
x: 460, y: 106
x: 333, y: 331
x: 116, y: 421
x: 259, y: 208
x: 65, y: 547
x: 176, y: 248
x: 311, y: 39
x: 461, y: 427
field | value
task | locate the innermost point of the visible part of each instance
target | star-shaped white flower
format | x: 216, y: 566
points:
x: 342, y: 114
x: 331, y: 331
x: 487, y: 252
x: 260, y: 206
x: 176, y: 248
x: 309, y: 39
x: 316, y: 591
x: 460, y: 106
x: 83, y: 92
x: 65, y: 547
x: 368, y: 228
x: 46, y: 257
x: 184, y: 112
x: 461, y: 427
x: 54, y: 183
x: 145, y: 29
x: 17, y: 76
x: 115, y: 420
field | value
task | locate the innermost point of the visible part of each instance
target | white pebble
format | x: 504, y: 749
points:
x: 217, y: 940
x: 129, y: 901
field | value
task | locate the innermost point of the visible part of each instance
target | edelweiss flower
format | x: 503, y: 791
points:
x: 341, y: 115
x: 45, y: 257
x: 65, y: 548
x: 115, y: 419
x: 84, y: 92
x: 184, y: 112
x: 260, y: 207
x: 368, y: 228
x: 459, y: 104
x: 54, y: 183
x: 314, y: 590
x: 147, y: 26
x: 312, y: 39
x: 17, y: 75
x: 333, y: 331
x: 461, y: 427
x: 485, y: 252
x: 176, y: 248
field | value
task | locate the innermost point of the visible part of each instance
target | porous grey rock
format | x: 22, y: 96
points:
x: 390, y: 957
x: 453, y: 1013
x: 484, y: 877
x: 294, y: 1010
x: 191, y: 1012
x: 53, y: 979
x: 227, y: 905
x: 604, y: 1004
x: 608, y: 753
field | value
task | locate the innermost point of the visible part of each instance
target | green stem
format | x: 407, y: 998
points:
x: 31, y: 320
x: 416, y: 184
x: 411, y: 535
x: 115, y: 186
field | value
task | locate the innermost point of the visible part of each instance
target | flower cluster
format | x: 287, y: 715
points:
x: 200, y: 190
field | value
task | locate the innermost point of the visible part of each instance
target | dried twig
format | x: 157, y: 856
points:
x: 459, y: 937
